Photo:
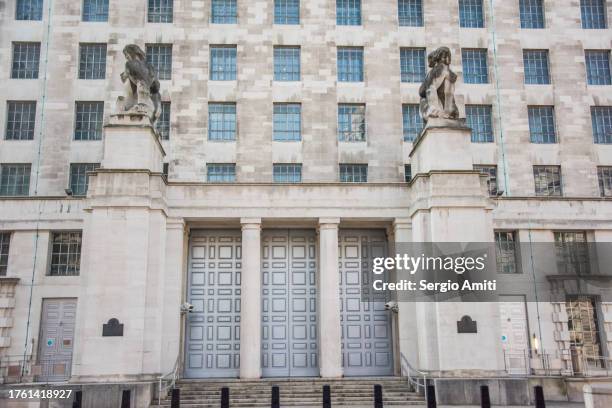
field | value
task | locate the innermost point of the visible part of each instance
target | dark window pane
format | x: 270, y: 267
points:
x: 287, y: 121
x: 221, y: 121
x: 547, y: 181
x: 15, y: 179
x: 221, y: 173
x: 479, y: 119
x: 26, y: 60
x: 89, y: 120
x: 351, y: 123
x: 287, y: 173
x: 92, y: 61
x: 160, y: 11
x: 542, y: 124
x: 95, y: 10
x: 286, y: 11
x: 20, y: 121
x: 354, y: 173
x: 412, y: 64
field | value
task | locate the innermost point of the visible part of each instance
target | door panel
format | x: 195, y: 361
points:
x: 367, y: 347
x: 212, y: 341
x: 289, y: 314
x: 515, y: 338
x: 56, y: 339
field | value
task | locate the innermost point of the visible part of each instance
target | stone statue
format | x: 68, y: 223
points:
x: 141, y: 86
x: 438, y: 90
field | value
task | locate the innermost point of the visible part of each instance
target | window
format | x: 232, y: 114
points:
x: 506, y: 251
x: 604, y: 175
x: 572, y: 252
x: 601, y: 118
x: 78, y: 177
x: 471, y: 14
x: 583, y: 326
x: 286, y: 11
x: 410, y: 13
x: 348, y: 12
x: 287, y: 173
x: 536, y: 67
x: 163, y: 123
x: 20, y: 120
x: 354, y: 173
x: 224, y: 12
x: 26, y: 58
x: 598, y: 67
x: 413, y: 123
x: 286, y: 63
x: 160, y: 56
x: 166, y: 170
x: 65, y: 253
x: 92, y: 62
x: 407, y: 173
x: 221, y: 121
x: 351, y: 123
x: 29, y: 10
x: 95, y: 10
x: 593, y: 13
x: 160, y: 11
x: 89, y: 120
x: 350, y: 64
x: 479, y: 119
x: 5, y: 240
x: 542, y: 124
x: 547, y: 181
x: 221, y: 173
x: 532, y: 13
x: 491, y: 173
x: 475, y: 69
x: 287, y: 121
x: 15, y: 179
x: 412, y: 64
x: 223, y: 63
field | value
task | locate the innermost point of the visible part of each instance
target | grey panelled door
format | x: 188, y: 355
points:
x: 56, y: 339
x: 367, y: 347
x: 212, y: 343
x: 289, y: 313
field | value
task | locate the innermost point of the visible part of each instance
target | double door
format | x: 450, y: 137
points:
x: 289, y: 304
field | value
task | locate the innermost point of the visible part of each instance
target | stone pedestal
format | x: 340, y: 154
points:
x: 124, y: 269
x: 451, y: 205
x: 131, y: 143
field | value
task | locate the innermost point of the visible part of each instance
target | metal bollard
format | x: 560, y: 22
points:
x: 431, y: 396
x: 378, y: 396
x: 539, y: 396
x: 225, y: 397
x: 78, y: 399
x: 327, y: 396
x: 275, y: 397
x: 485, y: 398
x: 125, y: 398
x: 175, y: 402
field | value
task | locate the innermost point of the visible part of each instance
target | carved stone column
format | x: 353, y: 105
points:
x: 250, y: 300
x: 330, y: 329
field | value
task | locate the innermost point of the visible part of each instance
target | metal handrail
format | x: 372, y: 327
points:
x: 168, y: 381
x: 418, y: 379
x: 589, y: 371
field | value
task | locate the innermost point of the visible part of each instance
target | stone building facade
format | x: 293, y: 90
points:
x: 280, y: 208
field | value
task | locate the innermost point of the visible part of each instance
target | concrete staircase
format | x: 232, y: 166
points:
x: 294, y: 392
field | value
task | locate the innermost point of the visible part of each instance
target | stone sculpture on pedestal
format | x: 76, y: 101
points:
x: 142, y: 95
x: 438, y: 107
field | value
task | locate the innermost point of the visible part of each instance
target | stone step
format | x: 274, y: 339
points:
x: 295, y: 392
